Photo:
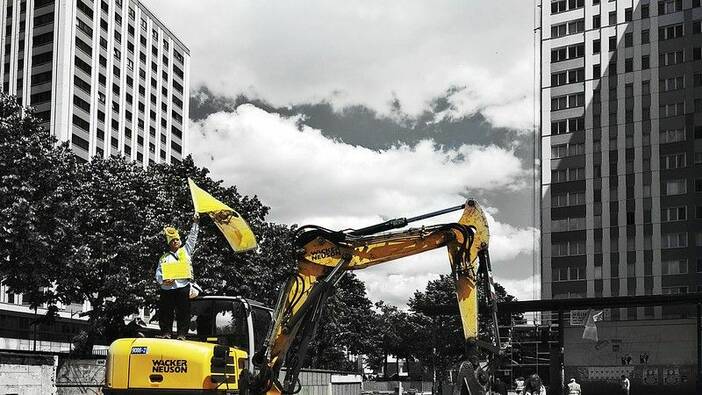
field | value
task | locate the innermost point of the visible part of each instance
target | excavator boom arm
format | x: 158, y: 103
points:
x: 325, y: 256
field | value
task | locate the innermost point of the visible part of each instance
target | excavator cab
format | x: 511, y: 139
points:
x: 230, y: 322
x: 224, y: 332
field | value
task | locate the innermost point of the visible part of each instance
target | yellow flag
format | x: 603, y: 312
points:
x: 234, y: 228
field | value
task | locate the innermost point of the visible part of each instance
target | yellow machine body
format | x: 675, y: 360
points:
x: 146, y: 365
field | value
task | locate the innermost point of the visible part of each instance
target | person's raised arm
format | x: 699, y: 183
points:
x: 192, y: 236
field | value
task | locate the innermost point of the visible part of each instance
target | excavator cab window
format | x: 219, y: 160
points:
x: 231, y: 326
x: 261, y: 322
x: 201, y: 319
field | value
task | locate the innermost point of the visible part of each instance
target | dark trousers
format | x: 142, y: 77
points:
x: 178, y: 301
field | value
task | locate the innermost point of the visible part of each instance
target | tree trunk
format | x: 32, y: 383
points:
x: 385, y: 364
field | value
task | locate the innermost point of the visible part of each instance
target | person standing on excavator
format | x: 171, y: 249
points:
x: 174, y: 295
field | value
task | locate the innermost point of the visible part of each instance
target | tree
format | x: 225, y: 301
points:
x: 446, y: 330
x: 36, y: 190
x: 93, y: 231
x: 345, y: 329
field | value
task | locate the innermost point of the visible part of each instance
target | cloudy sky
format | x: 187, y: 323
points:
x: 345, y: 114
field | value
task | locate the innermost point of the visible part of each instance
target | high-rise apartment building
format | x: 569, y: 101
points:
x: 621, y: 149
x: 105, y: 75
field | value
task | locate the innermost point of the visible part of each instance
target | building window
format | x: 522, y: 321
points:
x: 596, y: 71
x: 674, y: 161
x: 568, y: 248
x: 558, y: 6
x: 670, y: 32
x: 85, y: 9
x: 645, y: 36
x: 82, y: 26
x: 596, y: 22
x: 645, y: 62
x: 674, y: 290
x: 672, y: 136
x: 672, y: 214
x: 568, y: 101
x: 677, y: 266
x: 669, y: 6
x: 672, y: 110
x: 628, y: 40
x: 81, y: 123
x: 568, y: 224
x: 565, y: 150
x: 674, y: 240
x: 567, y: 175
x: 596, y: 46
x: 675, y: 187
x: 612, y: 18
x: 568, y: 199
x: 572, y: 273
x: 645, y: 11
x: 143, y: 24
x: 671, y: 58
x: 612, y: 44
x: 628, y: 14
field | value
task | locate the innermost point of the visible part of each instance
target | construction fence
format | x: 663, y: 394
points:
x: 42, y: 374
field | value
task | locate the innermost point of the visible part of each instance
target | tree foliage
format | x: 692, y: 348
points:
x: 75, y: 231
x: 37, y: 179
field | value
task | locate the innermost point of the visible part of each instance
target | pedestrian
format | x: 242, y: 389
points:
x: 174, y: 296
x: 499, y: 387
x: 519, y: 384
x: 534, y: 386
x: 625, y: 385
x: 574, y: 388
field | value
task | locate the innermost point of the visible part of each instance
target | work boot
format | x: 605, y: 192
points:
x: 181, y: 337
x: 164, y: 336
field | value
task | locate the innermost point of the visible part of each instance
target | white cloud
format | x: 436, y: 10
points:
x: 364, y: 52
x: 524, y: 288
x: 302, y: 174
x: 308, y: 178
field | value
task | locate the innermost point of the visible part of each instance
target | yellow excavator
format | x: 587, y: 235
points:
x: 240, y: 346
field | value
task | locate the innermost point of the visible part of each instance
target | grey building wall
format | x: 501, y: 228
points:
x: 621, y: 134
x: 105, y: 75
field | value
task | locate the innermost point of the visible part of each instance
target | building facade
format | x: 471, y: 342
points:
x: 621, y: 149
x: 111, y: 79
x: 105, y: 75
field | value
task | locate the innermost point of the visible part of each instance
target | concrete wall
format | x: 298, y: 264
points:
x: 32, y: 374
x: 670, y: 346
x: 669, y: 342
x: 27, y: 374
x: 80, y: 376
x: 321, y: 382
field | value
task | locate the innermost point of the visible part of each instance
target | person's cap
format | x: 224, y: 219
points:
x: 572, y: 379
x: 171, y: 234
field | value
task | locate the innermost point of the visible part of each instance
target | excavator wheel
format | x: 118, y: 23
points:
x: 471, y: 380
